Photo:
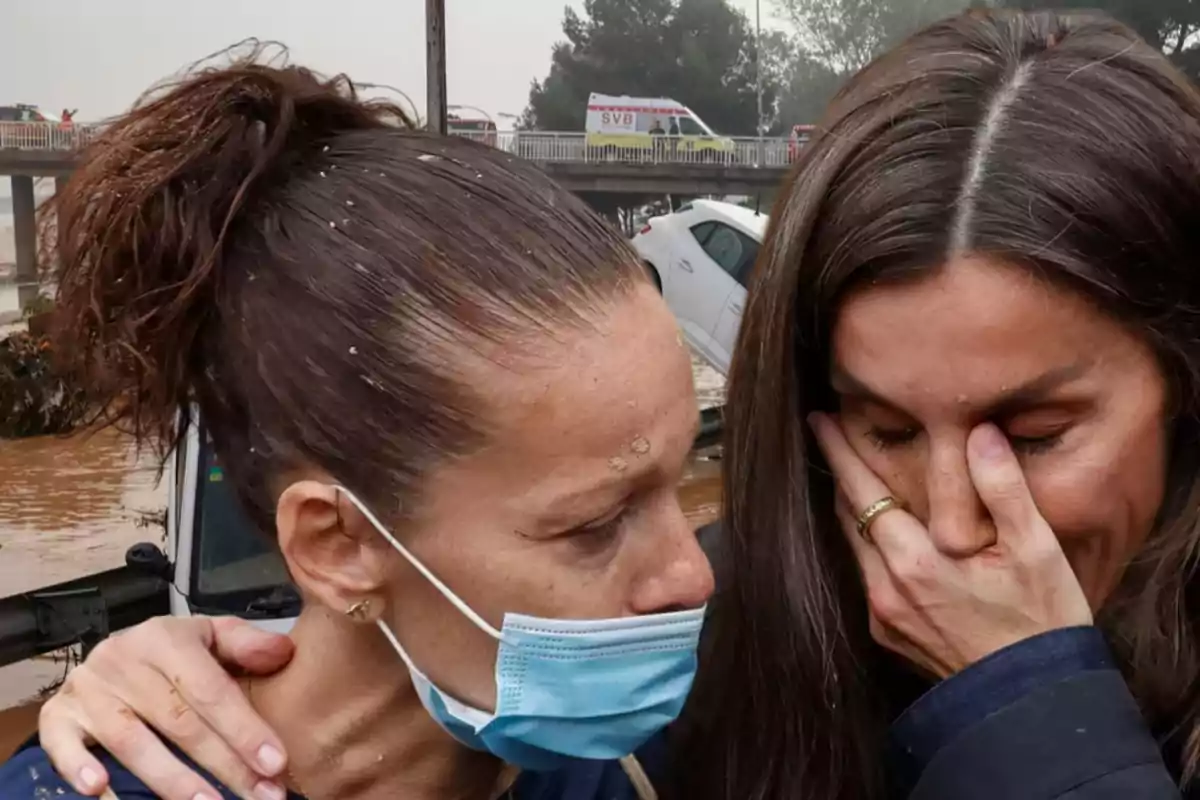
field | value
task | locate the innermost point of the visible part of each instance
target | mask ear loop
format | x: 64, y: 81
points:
x: 454, y: 599
x: 638, y: 777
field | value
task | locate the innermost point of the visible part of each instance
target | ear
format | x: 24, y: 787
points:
x: 331, y: 551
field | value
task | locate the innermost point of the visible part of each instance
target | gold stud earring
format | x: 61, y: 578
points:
x: 359, y: 610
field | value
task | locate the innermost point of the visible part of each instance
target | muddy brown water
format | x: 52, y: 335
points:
x: 71, y: 507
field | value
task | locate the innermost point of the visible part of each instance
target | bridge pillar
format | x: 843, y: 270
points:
x: 25, y: 234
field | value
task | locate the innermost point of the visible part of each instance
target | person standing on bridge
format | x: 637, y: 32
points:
x: 656, y: 138
x: 962, y: 476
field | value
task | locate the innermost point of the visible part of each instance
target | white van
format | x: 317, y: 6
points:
x: 629, y: 126
x: 221, y: 564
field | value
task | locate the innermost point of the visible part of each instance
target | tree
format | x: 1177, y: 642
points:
x: 1168, y: 25
x: 805, y: 84
x: 833, y: 39
x: 844, y: 35
x: 699, y: 52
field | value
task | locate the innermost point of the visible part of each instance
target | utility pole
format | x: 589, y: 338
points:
x: 758, y: 76
x: 435, y: 65
x: 758, y: 63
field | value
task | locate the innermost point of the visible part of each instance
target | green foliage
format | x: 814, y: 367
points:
x: 1169, y: 25
x: 703, y: 53
x: 699, y: 52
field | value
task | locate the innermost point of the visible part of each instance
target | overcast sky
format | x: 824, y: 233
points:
x: 98, y: 55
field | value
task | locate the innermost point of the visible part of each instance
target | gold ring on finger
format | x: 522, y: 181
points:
x: 873, y: 512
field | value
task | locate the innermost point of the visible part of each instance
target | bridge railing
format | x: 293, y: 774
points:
x: 575, y: 147
x: 533, y: 145
x: 44, y: 135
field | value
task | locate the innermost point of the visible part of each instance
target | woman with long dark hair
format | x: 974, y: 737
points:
x: 996, y: 225
x: 962, y: 474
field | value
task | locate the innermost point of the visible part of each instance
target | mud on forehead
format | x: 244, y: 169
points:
x: 620, y: 387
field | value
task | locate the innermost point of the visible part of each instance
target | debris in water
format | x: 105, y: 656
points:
x: 37, y: 397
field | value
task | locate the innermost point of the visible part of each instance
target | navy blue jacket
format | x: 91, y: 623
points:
x: 28, y: 775
x: 1049, y: 718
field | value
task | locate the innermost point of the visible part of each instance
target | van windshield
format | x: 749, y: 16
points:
x: 233, y: 563
x: 694, y: 126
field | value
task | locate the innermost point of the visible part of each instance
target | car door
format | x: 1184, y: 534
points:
x: 695, y: 291
x: 181, y: 521
x: 730, y: 320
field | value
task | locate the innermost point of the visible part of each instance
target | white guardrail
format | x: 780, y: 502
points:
x: 44, y: 135
x: 533, y: 145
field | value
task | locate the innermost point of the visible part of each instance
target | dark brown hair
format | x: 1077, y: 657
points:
x: 310, y: 272
x: 1061, y: 143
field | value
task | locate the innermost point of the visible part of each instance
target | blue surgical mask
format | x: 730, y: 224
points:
x: 565, y: 689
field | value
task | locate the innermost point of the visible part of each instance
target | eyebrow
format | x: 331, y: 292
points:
x: 1028, y: 393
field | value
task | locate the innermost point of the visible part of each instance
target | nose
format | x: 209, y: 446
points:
x: 675, y: 573
x: 957, y: 520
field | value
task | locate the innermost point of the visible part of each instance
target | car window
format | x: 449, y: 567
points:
x: 689, y: 127
x: 725, y: 247
x: 233, y: 558
x: 749, y: 256
x: 734, y: 251
x: 703, y: 231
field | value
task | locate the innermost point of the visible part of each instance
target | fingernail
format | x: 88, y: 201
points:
x: 265, y: 790
x: 989, y: 442
x: 89, y: 778
x: 203, y: 796
x: 270, y: 759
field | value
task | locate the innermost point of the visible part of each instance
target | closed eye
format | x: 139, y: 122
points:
x: 890, y: 438
x: 887, y: 438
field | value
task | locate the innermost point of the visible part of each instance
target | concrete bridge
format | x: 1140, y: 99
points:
x: 726, y: 165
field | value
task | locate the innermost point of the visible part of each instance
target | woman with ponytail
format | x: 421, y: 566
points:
x: 446, y: 388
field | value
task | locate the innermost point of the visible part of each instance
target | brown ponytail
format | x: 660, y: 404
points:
x: 141, y: 229
x: 258, y: 241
